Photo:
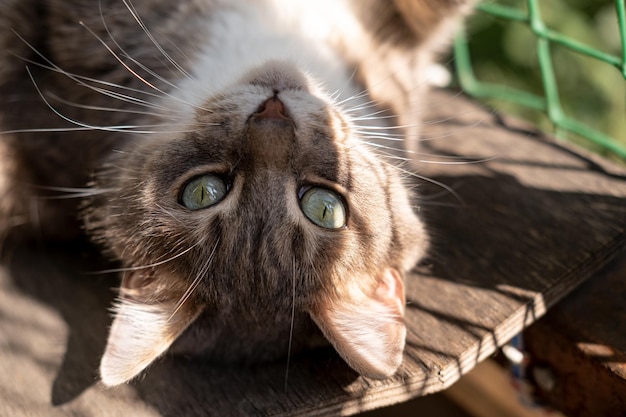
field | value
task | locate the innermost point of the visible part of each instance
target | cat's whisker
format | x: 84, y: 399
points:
x: 381, y: 130
x: 337, y: 93
x: 135, y: 14
x: 455, y: 117
x: 378, y: 146
x: 70, y: 120
x: 430, y: 199
x: 152, y: 265
x: 426, y: 179
x: 438, y: 204
x: 450, y: 132
x: 135, y: 73
x: 380, y: 135
x: 293, y: 316
x: 391, y: 136
x: 135, y: 129
x: 356, y: 96
x: 365, y: 91
x: 394, y: 127
x: 127, y: 55
x: 119, y: 59
x: 456, y: 160
x: 170, y: 214
x: 373, y: 116
x: 459, y: 158
x: 81, y: 81
x: 73, y: 192
x: 363, y: 106
x: 132, y: 100
x: 466, y: 162
x: 182, y: 54
x: 112, y: 110
x: 382, y: 115
x: 47, y: 130
x: 196, y: 281
x: 373, y: 104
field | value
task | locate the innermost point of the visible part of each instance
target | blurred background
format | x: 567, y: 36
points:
x: 592, y: 92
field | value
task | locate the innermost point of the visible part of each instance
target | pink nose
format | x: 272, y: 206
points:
x: 273, y: 108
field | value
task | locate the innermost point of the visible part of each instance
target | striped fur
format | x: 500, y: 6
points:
x: 129, y: 101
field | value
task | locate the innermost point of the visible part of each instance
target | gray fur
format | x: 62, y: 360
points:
x: 240, y: 274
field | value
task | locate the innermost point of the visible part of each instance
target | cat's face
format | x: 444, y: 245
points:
x: 268, y: 201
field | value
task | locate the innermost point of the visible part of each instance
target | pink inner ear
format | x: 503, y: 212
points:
x: 142, y: 329
x: 368, y: 330
x: 391, y: 290
x: 140, y: 333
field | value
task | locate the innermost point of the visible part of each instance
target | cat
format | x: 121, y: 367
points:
x: 236, y: 157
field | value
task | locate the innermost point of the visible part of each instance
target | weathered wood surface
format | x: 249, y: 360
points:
x: 530, y: 220
x: 581, y: 345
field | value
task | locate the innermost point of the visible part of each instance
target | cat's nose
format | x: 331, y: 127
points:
x: 270, y: 135
x: 272, y: 108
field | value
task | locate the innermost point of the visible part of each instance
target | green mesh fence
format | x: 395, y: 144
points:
x: 548, y: 101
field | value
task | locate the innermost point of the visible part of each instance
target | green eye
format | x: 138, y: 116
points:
x: 203, y: 191
x: 324, y: 208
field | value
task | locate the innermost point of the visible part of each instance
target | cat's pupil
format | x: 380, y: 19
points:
x: 324, y: 208
x: 203, y: 191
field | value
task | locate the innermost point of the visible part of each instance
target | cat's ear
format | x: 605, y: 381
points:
x: 367, y: 330
x: 142, y: 329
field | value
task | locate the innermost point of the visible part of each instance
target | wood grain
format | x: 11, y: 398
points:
x: 516, y: 227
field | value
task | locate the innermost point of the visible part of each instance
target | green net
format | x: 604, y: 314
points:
x: 600, y: 122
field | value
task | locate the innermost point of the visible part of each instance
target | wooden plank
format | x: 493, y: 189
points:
x: 522, y: 227
x: 581, y: 344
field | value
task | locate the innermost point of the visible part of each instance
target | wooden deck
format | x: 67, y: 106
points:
x: 526, y: 222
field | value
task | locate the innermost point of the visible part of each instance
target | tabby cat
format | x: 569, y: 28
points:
x: 239, y: 158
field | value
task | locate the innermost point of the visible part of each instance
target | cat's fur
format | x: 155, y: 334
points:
x: 250, y: 276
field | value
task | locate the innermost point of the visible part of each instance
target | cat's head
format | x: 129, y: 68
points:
x: 268, y: 201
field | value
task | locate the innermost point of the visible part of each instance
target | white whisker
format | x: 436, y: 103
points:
x: 110, y: 109
x: 469, y: 162
x: 73, y: 192
x: 196, y: 281
x: 383, y: 136
x: 81, y: 81
x: 135, y: 15
x: 152, y: 265
x: 354, y: 97
x: 293, y: 316
x: 118, y: 59
x: 135, y: 73
x: 430, y: 180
